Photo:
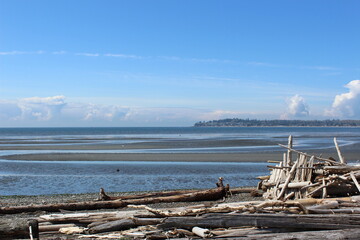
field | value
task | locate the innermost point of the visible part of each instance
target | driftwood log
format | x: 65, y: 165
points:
x: 308, y: 221
x: 124, y: 224
x: 212, y: 194
x: 350, y: 234
x: 104, y: 197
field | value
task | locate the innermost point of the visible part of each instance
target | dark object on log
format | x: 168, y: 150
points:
x: 310, y: 221
x: 212, y: 194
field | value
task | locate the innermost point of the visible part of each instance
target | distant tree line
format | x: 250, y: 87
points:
x: 236, y: 122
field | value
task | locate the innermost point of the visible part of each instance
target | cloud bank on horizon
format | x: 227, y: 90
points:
x: 346, y: 105
x: 57, y: 111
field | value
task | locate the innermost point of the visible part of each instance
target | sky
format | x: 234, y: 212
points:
x: 91, y: 63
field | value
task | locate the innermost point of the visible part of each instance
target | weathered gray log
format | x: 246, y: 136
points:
x: 341, y: 169
x: 349, y: 234
x: 212, y: 194
x: 90, y: 217
x: 241, y: 232
x: 325, y: 205
x: 118, y: 225
x: 14, y: 228
x: 124, y: 224
x: 336, y: 211
x: 310, y: 221
x: 63, y: 206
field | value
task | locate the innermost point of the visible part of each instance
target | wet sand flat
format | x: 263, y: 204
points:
x: 92, y: 144
x: 171, y: 157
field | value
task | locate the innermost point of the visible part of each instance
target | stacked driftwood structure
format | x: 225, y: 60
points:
x: 310, y: 176
x: 305, y: 197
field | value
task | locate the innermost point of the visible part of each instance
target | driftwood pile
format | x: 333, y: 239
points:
x: 242, y: 220
x: 310, y: 176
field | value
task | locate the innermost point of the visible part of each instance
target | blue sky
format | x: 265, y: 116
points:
x: 172, y: 63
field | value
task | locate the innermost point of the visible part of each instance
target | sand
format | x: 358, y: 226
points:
x: 351, y: 152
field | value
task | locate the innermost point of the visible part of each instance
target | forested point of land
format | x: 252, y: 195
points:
x: 235, y: 122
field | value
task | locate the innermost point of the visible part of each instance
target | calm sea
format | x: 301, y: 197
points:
x: 52, y: 177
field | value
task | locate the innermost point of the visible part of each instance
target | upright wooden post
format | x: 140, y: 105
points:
x: 341, y: 158
x: 285, y: 161
x: 289, y: 153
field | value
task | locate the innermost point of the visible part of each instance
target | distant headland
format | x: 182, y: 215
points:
x: 236, y: 122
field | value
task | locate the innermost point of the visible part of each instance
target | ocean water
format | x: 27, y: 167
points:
x: 53, y: 177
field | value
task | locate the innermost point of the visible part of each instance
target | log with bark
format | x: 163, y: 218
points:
x: 211, y: 195
x: 105, y: 197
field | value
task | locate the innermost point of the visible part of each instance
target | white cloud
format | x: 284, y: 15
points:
x: 59, y: 52
x: 103, y: 112
x: 322, y: 68
x: 88, y: 54
x: 347, y: 105
x: 55, y: 109
x: 41, y: 108
x: 297, y: 108
x: 123, y: 56
x: 21, y: 52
